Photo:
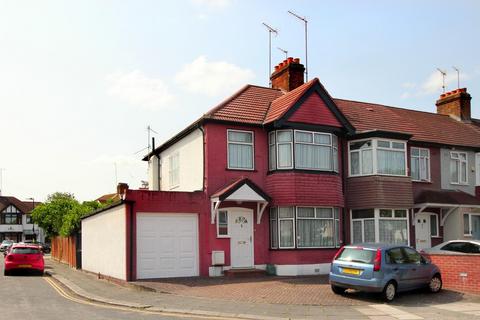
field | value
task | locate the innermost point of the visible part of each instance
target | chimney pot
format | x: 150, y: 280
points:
x: 296, y: 60
x: 122, y: 188
x: 290, y: 60
x: 456, y: 104
x: 289, y: 74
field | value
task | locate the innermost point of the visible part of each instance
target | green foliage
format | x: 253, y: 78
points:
x: 61, y: 213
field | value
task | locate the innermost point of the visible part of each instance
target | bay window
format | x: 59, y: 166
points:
x: 301, y: 149
x: 380, y: 225
x: 304, y: 227
x: 458, y: 168
x: 377, y: 156
x: 420, y: 164
x: 240, y: 149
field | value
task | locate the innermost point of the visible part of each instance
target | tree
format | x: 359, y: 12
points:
x: 61, y: 213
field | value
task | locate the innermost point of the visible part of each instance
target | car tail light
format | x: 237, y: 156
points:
x: 10, y: 257
x: 377, y: 262
x: 338, y: 253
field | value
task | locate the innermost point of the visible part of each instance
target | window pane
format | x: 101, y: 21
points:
x: 412, y: 256
x: 284, y: 136
x: 415, y: 151
x: 360, y: 144
x: 463, y: 170
x: 271, y: 137
x: 286, y: 233
x: 462, y: 156
x: 322, y: 138
x: 303, y: 137
x: 398, y: 145
x: 335, y: 159
x: 383, y: 144
x: 285, y: 155
x: 337, y: 233
x: 433, y: 226
x: 393, y: 231
x: 273, y: 213
x: 400, y: 213
x: 235, y: 136
x: 222, y: 217
x: 306, y: 212
x: 384, y: 213
x: 272, y: 157
x: 357, y: 231
x: 395, y: 256
x: 466, y: 224
x: 325, y: 213
x: 369, y: 230
x: 273, y: 234
x: 355, y: 163
x: 367, y: 162
x: 424, y: 153
x: 391, y: 162
x: 313, y: 157
x: 335, y: 210
x: 315, y: 233
x: 415, y: 169
x: 285, y: 212
x: 240, y: 156
x: 362, y: 214
x: 454, y: 171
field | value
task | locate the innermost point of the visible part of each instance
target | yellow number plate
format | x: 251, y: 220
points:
x: 24, y: 265
x: 351, y: 271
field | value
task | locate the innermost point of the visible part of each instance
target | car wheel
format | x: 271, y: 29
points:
x: 390, y: 291
x: 6, y: 272
x: 435, y: 284
x: 338, y: 290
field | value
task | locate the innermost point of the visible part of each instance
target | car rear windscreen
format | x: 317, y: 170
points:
x: 357, y: 255
x: 25, y: 250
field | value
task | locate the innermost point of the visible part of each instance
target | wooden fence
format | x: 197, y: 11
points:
x: 64, y: 249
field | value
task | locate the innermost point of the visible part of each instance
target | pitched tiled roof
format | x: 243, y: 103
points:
x: 23, y: 206
x: 234, y: 185
x: 423, y: 126
x: 283, y: 103
x: 249, y: 105
x: 447, y: 197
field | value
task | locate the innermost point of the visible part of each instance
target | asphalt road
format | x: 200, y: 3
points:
x: 26, y: 297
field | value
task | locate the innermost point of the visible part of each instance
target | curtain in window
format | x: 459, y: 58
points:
x: 286, y: 233
x: 272, y: 157
x: 313, y: 156
x: 369, y: 230
x: 391, y: 162
x: 367, y: 162
x: 355, y: 163
x: 454, y: 171
x: 393, y: 231
x: 240, y: 156
x: 273, y: 233
x: 315, y: 233
x: 357, y: 231
x: 415, y: 169
x: 284, y: 155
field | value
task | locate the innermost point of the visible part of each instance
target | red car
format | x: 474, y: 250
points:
x: 24, y: 257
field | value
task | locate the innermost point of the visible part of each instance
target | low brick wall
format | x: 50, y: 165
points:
x: 460, y: 272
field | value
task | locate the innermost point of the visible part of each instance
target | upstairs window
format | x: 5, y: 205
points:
x: 306, y: 150
x: 28, y: 219
x: 458, y: 168
x: 11, y: 215
x: 240, y: 149
x: 174, y: 170
x: 377, y: 156
x: 420, y: 164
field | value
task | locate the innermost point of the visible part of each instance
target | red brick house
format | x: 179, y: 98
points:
x: 279, y: 178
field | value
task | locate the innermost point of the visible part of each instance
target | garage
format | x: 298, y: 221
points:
x: 167, y: 245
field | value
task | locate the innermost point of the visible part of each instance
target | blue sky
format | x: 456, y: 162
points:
x: 80, y: 81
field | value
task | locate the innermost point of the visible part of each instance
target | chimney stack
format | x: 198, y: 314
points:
x: 288, y: 75
x: 455, y: 104
x: 122, y: 189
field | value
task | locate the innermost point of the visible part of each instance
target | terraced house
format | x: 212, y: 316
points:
x: 279, y: 177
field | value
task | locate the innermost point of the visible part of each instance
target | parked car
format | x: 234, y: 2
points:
x: 382, y: 268
x: 5, y: 245
x: 461, y: 246
x: 24, y: 257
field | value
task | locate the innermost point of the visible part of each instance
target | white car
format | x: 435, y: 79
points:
x: 5, y: 245
x: 459, y: 246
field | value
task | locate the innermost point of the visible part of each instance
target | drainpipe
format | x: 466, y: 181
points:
x: 131, y: 241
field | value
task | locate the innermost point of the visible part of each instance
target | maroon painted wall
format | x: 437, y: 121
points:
x: 435, y: 172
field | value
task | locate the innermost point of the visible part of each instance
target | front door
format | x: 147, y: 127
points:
x: 422, y: 231
x: 475, y: 227
x: 241, y: 238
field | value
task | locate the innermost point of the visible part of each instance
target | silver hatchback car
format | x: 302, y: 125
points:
x: 383, y: 268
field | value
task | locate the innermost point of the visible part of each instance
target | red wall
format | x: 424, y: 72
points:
x: 315, y: 111
x: 459, y: 272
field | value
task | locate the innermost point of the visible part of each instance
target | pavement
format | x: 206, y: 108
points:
x: 261, y: 298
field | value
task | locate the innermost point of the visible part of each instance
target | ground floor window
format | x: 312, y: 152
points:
x: 380, y: 225
x: 304, y: 227
x: 471, y: 225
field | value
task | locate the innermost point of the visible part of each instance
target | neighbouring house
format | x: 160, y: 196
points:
x: 279, y: 178
x: 15, y: 220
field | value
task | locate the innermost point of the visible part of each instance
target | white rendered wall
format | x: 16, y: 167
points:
x: 104, y: 243
x: 153, y: 174
x: 190, y: 152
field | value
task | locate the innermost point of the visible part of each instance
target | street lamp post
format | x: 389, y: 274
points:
x: 33, y: 223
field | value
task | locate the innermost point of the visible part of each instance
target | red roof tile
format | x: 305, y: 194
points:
x: 23, y: 206
x: 423, y: 126
x: 447, y: 197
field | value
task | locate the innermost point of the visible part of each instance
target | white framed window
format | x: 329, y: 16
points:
x: 28, y: 219
x: 222, y: 224
x: 300, y: 149
x: 434, y: 227
x: 377, y: 156
x: 477, y: 168
x: 174, y: 170
x: 380, y: 225
x: 458, y: 168
x: 467, y: 231
x: 420, y: 164
x: 240, y: 149
x: 304, y: 227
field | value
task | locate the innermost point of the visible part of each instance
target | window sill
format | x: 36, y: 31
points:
x: 422, y: 181
x: 248, y: 170
x: 378, y: 174
x: 223, y: 237
x: 459, y: 184
x: 302, y: 171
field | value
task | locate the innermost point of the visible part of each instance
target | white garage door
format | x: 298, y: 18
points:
x: 167, y: 245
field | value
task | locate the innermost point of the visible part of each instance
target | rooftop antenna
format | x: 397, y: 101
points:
x: 304, y: 19
x: 150, y: 130
x: 270, y: 31
x: 458, y: 76
x: 444, y: 74
x: 284, y: 51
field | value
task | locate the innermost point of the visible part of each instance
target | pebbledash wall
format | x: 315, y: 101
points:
x: 459, y: 271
